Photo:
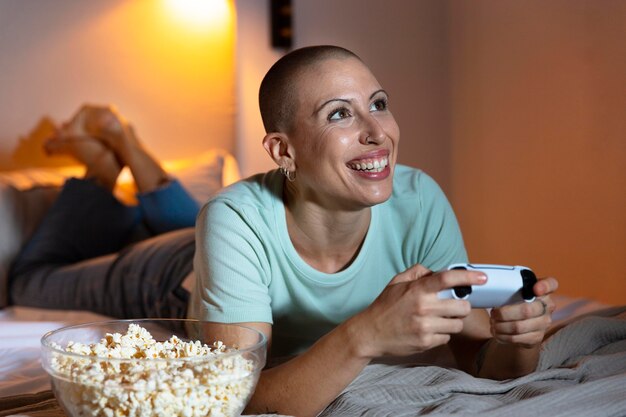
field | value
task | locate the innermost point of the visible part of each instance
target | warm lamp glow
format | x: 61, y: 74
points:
x: 201, y: 13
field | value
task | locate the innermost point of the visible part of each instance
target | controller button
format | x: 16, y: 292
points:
x: 462, y: 291
x: 528, y: 282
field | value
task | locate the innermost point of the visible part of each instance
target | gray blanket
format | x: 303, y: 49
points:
x: 582, y: 372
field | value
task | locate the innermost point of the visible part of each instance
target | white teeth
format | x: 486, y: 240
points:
x: 374, y: 165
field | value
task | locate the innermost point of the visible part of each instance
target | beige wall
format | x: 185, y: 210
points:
x: 538, y: 118
x: 173, y: 76
x: 254, y: 57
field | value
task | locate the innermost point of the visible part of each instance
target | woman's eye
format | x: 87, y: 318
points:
x: 339, y: 114
x: 379, y: 105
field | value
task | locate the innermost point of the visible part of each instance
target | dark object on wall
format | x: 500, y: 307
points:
x: 280, y: 14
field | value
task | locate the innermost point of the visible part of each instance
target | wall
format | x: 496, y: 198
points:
x: 173, y: 77
x: 538, y: 100
x: 255, y: 56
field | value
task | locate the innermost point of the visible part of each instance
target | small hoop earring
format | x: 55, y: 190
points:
x: 290, y: 175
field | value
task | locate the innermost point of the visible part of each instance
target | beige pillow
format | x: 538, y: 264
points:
x: 202, y: 175
x: 205, y: 174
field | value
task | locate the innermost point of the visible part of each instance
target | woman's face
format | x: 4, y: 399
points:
x: 344, y: 137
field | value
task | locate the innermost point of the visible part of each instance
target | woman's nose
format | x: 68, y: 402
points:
x: 373, y: 133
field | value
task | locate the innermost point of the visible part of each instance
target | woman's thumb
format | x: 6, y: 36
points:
x: 415, y: 272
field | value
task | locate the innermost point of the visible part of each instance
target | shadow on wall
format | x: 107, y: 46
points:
x: 29, y: 152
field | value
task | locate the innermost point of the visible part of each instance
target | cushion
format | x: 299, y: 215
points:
x: 205, y: 174
x: 20, y: 212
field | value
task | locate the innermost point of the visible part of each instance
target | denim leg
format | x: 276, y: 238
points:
x: 168, y: 208
x: 85, y: 221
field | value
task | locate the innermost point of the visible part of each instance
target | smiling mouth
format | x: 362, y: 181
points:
x: 369, y: 165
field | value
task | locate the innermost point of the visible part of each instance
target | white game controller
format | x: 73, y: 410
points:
x: 505, y: 285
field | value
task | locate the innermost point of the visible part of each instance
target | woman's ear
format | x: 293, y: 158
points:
x: 280, y: 150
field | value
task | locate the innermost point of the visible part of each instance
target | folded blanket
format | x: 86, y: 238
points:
x: 581, y: 372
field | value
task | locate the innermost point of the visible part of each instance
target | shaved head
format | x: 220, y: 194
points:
x: 278, y: 92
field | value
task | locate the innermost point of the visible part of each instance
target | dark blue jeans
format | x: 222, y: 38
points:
x: 92, y: 252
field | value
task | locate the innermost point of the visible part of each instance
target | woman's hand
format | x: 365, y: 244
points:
x: 408, y: 316
x: 525, y: 324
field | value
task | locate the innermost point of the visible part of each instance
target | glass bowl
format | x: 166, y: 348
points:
x: 114, y: 368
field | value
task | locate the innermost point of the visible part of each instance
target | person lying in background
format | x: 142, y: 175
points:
x: 338, y: 260
x: 93, y: 252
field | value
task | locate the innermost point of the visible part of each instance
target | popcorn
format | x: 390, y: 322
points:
x: 133, y: 375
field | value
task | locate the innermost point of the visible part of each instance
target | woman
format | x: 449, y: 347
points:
x: 80, y: 255
x: 336, y: 261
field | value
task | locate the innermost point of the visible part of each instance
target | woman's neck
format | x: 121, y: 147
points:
x: 328, y: 240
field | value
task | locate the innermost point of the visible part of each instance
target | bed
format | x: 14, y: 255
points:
x: 582, y: 370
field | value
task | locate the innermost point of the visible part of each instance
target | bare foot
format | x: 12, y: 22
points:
x: 107, y: 125
x: 147, y: 171
x: 100, y: 162
x: 102, y: 122
x: 83, y: 148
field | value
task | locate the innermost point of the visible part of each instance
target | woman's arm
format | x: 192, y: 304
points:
x: 408, y: 317
x: 306, y: 384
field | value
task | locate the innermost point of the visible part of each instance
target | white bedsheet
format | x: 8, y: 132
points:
x: 21, y: 330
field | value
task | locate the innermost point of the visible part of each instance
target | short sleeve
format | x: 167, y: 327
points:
x: 231, y: 267
x: 442, y: 240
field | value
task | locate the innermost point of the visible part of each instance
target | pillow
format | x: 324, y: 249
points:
x: 202, y: 175
x: 20, y: 212
x: 205, y: 174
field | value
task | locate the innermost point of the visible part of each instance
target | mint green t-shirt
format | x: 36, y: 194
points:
x: 247, y: 269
